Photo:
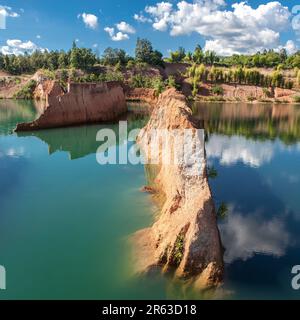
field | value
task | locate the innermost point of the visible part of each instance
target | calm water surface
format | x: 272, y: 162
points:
x: 256, y: 151
x: 64, y: 219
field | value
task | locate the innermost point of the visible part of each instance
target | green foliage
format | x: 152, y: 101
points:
x: 195, y: 88
x: 177, y: 56
x: 178, y: 249
x: 198, y: 55
x: 222, y: 211
x: 298, y: 78
x: 251, y: 98
x: 158, y: 84
x: 79, y: 58
x: 212, y: 172
x: 171, y: 82
x: 267, y: 93
x: 112, y: 57
x: 296, y: 99
x: 140, y: 81
x: 118, y: 67
x: 240, y: 75
x: 64, y: 75
x: 82, y: 58
x: 27, y: 91
x: 144, y: 53
x: 130, y: 64
x: 217, y: 90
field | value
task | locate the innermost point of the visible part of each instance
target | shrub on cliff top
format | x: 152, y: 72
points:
x: 217, y: 90
x: 296, y: 99
x: 27, y: 91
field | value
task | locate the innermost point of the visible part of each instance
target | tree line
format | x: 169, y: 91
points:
x: 78, y: 58
x: 85, y: 59
x: 266, y: 59
x: 239, y: 75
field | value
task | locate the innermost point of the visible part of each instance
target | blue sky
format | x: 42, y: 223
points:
x: 214, y: 24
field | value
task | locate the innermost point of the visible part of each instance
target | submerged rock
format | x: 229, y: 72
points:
x: 83, y: 103
x: 185, y: 236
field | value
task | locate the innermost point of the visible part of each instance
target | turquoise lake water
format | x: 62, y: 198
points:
x: 65, y: 219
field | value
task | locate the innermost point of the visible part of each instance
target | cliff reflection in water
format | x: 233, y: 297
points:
x: 80, y: 141
x: 253, y: 121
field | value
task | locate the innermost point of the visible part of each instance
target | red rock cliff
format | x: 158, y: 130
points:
x: 83, y: 103
x: 185, y: 236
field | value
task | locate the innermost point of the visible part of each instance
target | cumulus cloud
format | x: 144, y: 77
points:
x: 8, y: 12
x: 17, y: 47
x: 125, y: 27
x: 296, y: 18
x: 141, y: 18
x: 119, y: 36
x: 242, y: 29
x: 90, y: 20
x: 243, y: 236
x: 231, y: 150
x: 290, y: 47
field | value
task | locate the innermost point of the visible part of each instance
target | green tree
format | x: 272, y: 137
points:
x: 144, y: 53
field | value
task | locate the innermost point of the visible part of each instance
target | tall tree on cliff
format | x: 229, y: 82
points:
x: 144, y: 53
x: 82, y: 58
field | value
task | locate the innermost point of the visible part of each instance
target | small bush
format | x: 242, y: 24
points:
x: 179, y: 249
x: 222, y: 211
x: 296, y: 99
x: 27, y: 91
x: 171, y: 82
x: 251, y: 98
x: 212, y: 172
x: 130, y: 64
x: 217, y: 90
x: 267, y: 93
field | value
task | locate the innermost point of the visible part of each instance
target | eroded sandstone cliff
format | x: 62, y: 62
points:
x: 185, y: 236
x: 83, y: 103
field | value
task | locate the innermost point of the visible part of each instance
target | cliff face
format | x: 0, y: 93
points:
x: 83, y: 103
x: 142, y: 94
x: 185, y: 236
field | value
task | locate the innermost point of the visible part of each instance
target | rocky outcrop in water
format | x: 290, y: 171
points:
x: 83, y: 103
x: 185, y: 236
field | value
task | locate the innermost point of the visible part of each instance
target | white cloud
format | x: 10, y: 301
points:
x: 290, y: 47
x: 243, y: 236
x: 8, y: 12
x: 242, y: 29
x: 125, y: 27
x: 17, y: 47
x: 141, y: 18
x: 38, y: 36
x: 119, y: 36
x: 90, y: 20
x: 231, y: 150
x: 110, y: 31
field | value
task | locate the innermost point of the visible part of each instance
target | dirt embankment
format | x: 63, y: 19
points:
x: 10, y: 85
x: 185, y: 236
x: 146, y: 95
x: 83, y: 103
